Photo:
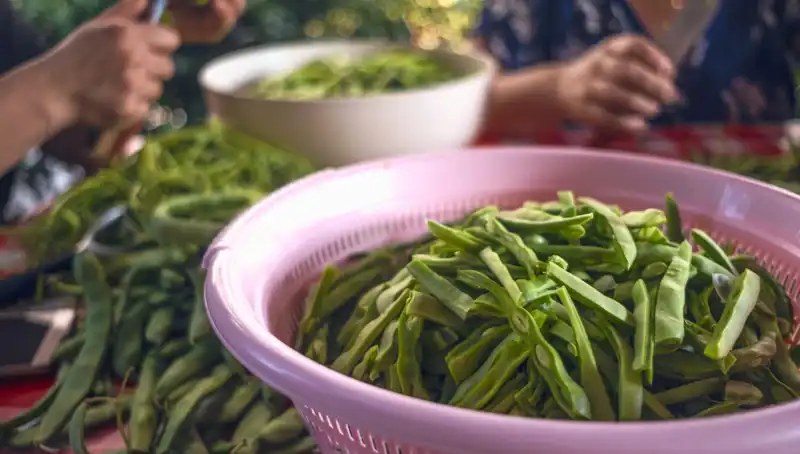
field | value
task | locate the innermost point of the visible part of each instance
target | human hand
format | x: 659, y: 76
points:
x: 617, y: 85
x: 205, y: 23
x: 112, y: 68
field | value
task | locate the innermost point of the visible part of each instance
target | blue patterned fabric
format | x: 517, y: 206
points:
x: 741, y: 71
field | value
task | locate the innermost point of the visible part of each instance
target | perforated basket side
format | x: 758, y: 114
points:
x: 254, y: 294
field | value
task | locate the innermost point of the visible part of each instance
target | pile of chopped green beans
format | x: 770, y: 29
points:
x: 570, y: 309
x: 384, y: 72
x: 144, y: 358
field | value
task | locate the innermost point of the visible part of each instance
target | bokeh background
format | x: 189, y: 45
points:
x: 428, y: 23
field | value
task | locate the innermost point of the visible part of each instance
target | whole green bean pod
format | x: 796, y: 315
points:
x: 199, y: 326
x: 78, y: 381
x: 286, y: 427
x: 200, y: 357
x: 181, y: 414
x: 129, y: 339
x: 243, y: 396
x: 144, y: 416
x: 76, y: 430
x: 253, y: 420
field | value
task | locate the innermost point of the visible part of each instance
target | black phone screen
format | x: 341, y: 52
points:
x: 20, y: 340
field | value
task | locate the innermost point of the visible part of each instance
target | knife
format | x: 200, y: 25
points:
x: 688, y: 25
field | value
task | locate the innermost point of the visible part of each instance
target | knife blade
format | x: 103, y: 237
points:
x: 688, y: 25
x: 155, y: 9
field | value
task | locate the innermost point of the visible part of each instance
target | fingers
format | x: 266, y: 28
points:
x: 602, y: 118
x: 633, y: 79
x: 638, y: 78
x: 160, y: 38
x: 126, y: 9
x: 160, y: 67
x: 618, y: 100
x: 640, y: 49
x: 209, y: 23
x: 150, y: 89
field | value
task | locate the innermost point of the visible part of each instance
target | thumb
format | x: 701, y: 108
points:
x: 127, y: 9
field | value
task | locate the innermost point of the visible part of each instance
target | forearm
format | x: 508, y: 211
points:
x: 31, y: 111
x: 525, y: 102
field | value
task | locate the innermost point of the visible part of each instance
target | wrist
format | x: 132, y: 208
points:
x: 526, y: 103
x: 53, y: 98
x: 561, y: 92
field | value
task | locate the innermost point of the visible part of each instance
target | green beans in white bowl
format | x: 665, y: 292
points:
x: 341, y: 102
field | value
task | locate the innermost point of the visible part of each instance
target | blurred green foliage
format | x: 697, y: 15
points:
x: 429, y: 23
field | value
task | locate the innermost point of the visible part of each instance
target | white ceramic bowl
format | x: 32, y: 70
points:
x: 333, y: 132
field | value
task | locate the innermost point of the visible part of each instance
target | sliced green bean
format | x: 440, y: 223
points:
x: 486, y: 382
x: 641, y: 219
x: 545, y: 224
x: 457, y: 301
x: 455, y: 237
x: 671, y: 301
x: 630, y: 391
x: 691, y: 391
x: 644, y: 340
x: 348, y: 360
x: 589, y: 296
x: 590, y: 377
x: 674, y: 222
x: 738, y: 307
x: 622, y: 240
x: 514, y: 243
x: 429, y: 308
x: 712, y: 250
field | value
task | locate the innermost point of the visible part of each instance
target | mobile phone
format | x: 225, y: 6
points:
x: 30, y: 336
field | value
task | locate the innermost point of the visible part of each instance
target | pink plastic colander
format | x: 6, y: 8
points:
x: 260, y: 266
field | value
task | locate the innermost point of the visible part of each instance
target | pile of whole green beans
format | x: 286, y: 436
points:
x: 208, y: 160
x: 570, y: 309
x: 143, y: 358
x: 383, y: 72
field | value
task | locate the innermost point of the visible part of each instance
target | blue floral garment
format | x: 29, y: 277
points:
x: 741, y: 71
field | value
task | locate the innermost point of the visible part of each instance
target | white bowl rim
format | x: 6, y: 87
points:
x: 488, y: 67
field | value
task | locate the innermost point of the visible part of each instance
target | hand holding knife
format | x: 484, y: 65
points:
x: 686, y: 29
x: 114, y: 139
